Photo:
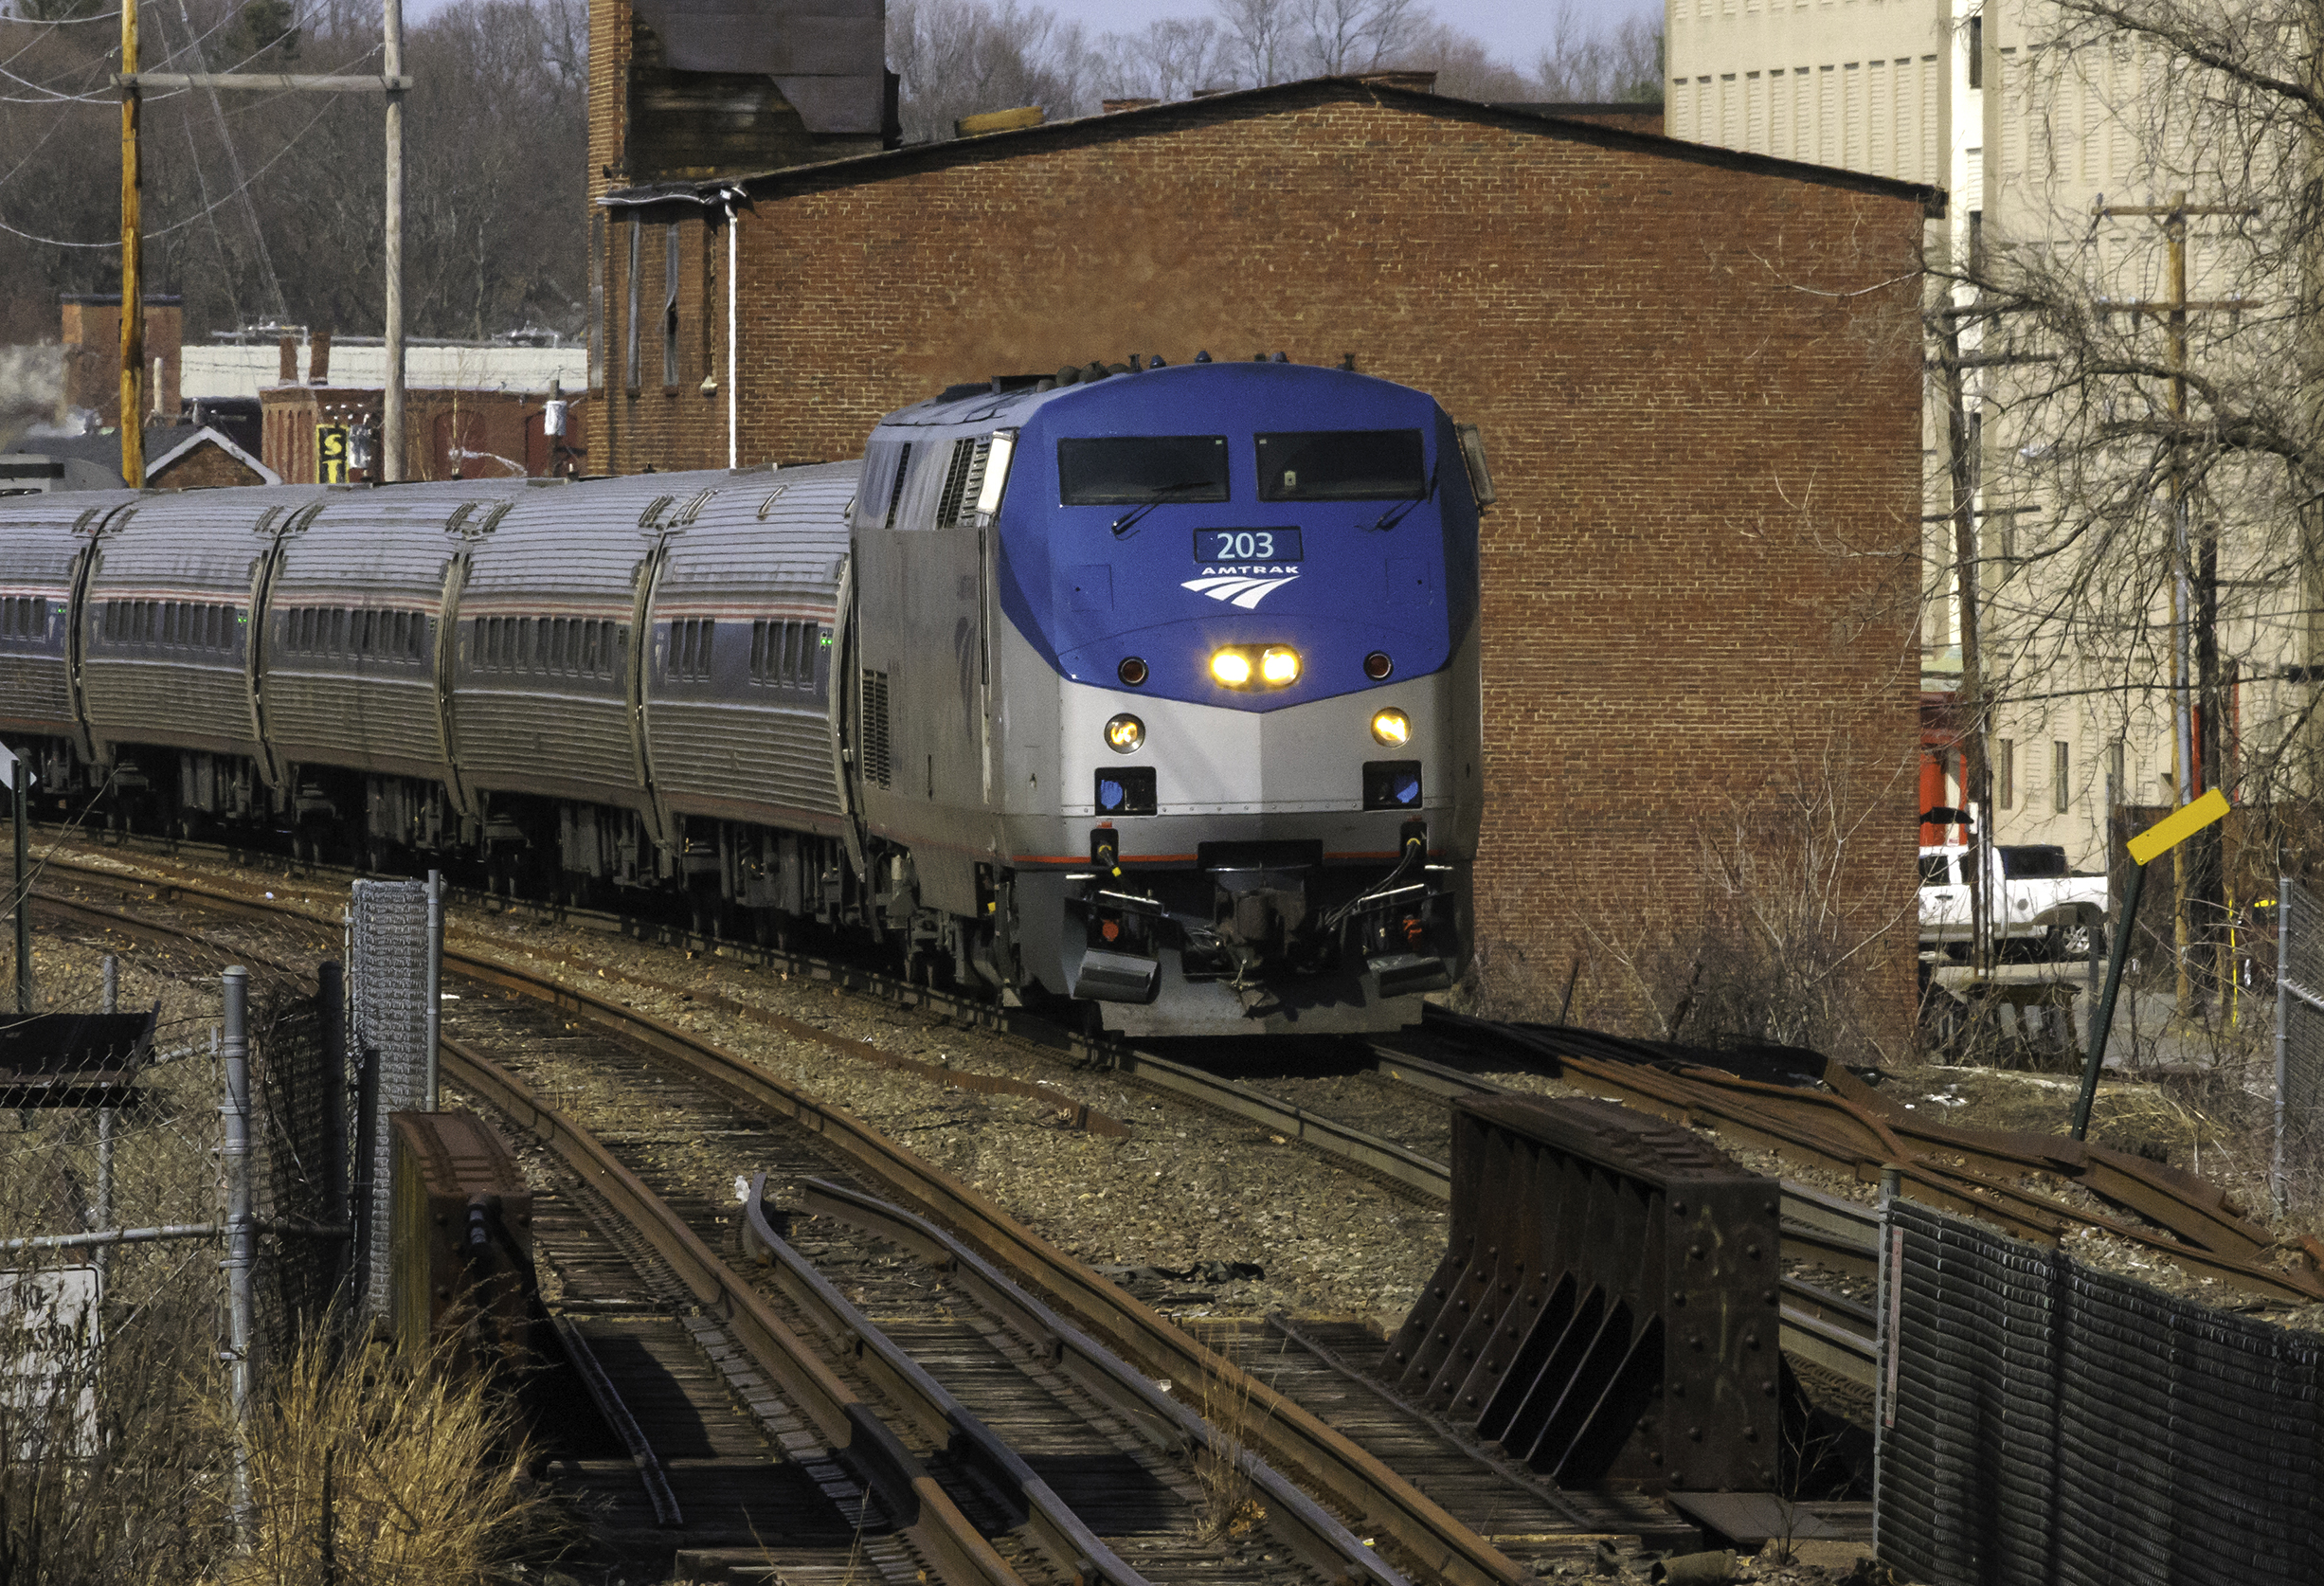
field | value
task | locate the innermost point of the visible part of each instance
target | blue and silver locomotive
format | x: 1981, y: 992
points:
x: 1155, y: 691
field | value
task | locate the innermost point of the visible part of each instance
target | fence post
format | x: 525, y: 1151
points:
x: 104, y: 1127
x: 235, y: 1060
x: 432, y: 1015
x: 1883, y: 1344
x: 23, y: 895
x: 366, y: 1170
x: 330, y: 1004
x: 2277, y: 1188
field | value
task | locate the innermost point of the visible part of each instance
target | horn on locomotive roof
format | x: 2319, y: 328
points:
x: 1204, y: 358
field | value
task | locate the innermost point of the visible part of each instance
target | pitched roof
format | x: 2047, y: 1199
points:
x: 196, y: 436
x: 1172, y: 115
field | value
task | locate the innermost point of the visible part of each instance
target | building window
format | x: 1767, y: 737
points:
x: 2060, y: 796
x: 1977, y: 52
x: 629, y: 331
x: 2004, y: 773
x: 2113, y: 773
x: 668, y: 306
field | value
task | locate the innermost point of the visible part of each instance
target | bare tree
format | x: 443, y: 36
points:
x: 1589, y: 65
x: 961, y: 57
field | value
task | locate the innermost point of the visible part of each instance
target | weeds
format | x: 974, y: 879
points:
x: 381, y: 1468
x: 1231, y: 1507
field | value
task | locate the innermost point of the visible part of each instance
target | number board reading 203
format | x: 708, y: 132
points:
x: 1214, y: 546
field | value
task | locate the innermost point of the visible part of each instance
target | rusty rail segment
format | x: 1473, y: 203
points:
x: 1079, y: 1554
x: 1290, y: 1436
x: 1335, y: 1552
x: 1838, y: 1132
x: 1608, y: 1305
x: 911, y: 1497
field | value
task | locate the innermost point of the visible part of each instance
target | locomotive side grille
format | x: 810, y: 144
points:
x: 876, y: 766
x: 963, y: 480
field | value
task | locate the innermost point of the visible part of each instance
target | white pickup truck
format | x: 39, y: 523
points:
x: 2041, y: 901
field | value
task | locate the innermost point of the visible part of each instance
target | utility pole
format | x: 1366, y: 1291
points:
x: 133, y: 263
x: 391, y: 416
x: 131, y: 83
x: 1975, y: 784
x: 2194, y: 602
x: 21, y: 812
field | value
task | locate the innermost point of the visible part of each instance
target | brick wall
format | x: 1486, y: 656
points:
x: 207, y: 467
x: 1698, y: 377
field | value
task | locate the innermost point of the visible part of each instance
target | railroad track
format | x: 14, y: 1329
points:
x: 1435, y: 1542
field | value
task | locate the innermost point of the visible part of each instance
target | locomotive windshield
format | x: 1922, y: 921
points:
x: 1129, y: 470
x: 1343, y: 465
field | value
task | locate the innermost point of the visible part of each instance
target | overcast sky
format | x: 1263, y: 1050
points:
x: 1515, y: 30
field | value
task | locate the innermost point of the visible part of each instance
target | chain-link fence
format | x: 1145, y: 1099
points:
x: 2300, y: 1038
x: 115, y: 1440
x: 2044, y: 1424
x: 391, y: 936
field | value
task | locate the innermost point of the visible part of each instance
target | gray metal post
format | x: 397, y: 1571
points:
x: 105, y: 1120
x: 366, y: 1167
x: 433, y: 1015
x: 235, y: 1059
x: 22, y: 895
x: 2102, y: 1023
x: 331, y: 1002
x: 2284, y: 1027
x: 1884, y: 1347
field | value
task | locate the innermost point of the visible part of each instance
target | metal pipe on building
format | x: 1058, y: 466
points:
x: 235, y: 1059
x: 734, y: 371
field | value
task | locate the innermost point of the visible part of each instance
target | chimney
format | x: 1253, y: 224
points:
x: 91, y: 333
x: 319, y: 357
x: 286, y: 362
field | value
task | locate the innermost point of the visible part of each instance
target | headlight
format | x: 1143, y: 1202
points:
x: 1279, y: 666
x: 1124, y: 733
x: 1230, y: 667
x: 1392, y: 728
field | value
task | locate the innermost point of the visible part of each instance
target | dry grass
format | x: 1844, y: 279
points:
x: 375, y: 1468
x: 1231, y: 1507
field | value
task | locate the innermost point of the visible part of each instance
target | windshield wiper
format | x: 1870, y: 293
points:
x: 1396, y: 515
x: 1127, y: 522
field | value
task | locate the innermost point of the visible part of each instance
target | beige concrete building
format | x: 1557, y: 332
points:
x: 2039, y: 141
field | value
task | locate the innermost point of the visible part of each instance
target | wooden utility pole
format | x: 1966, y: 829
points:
x: 1975, y: 784
x: 133, y: 263
x: 2195, y: 586
x: 392, y: 83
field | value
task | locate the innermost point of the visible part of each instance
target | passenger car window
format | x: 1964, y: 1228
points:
x: 1343, y: 465
x: 1128, y: 470
x: 1935, y: 870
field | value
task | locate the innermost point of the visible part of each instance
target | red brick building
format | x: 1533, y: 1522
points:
x: 1698, y: 375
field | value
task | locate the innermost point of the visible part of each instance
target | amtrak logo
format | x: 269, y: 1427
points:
x: 1244, y: 586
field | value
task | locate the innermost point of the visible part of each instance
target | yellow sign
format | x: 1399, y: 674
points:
x: 2178, y: 826
x: 330, y: 453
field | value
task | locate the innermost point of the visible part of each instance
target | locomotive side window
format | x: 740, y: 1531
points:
x: 1130, y: 470
x: 1343, y: 465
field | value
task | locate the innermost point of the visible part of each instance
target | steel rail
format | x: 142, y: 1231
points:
x: 920, y: 1508
x: 911, y: 1495
x: 1310, y: 1529
x: 1832, y: 1131
x: 1078, y: 1551
x: 1291, y: 1435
